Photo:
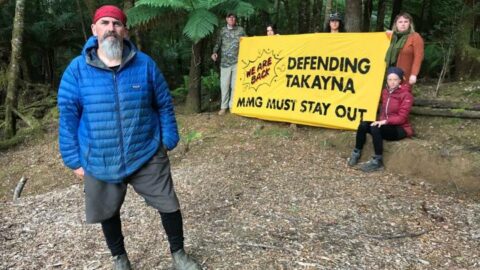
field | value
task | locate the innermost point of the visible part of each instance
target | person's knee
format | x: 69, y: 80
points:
x: 375, y: 130
x: 364, y: 126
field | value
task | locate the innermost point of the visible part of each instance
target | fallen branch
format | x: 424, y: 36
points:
x: 445, y: 104
x: 308, y: 264
x: 19, y: 188
x: 259, y: 246
x: 398, y: 236
x: 31, y: 122
x: 267, y: 247
x: 445, y: 113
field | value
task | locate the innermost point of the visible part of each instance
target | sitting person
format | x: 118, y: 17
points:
x: 392, y: 123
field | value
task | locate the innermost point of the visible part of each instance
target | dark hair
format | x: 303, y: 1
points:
x: 273, y: 26
x: 231, y: 14
x: 341, y: 27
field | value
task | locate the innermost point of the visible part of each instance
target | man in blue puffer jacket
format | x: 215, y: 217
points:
x: 117, y: 123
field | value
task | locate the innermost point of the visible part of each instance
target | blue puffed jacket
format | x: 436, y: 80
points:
x: 113, y: 122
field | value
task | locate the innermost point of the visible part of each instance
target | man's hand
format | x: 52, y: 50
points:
x: 412, y: 80
x: 214, y: 57
x: 79, y: 172
x: 378, y: 123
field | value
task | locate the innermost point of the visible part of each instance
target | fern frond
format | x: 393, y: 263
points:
x: 263, y: 5
x: 200, y: 24
x: 244, y: 9
x: 174, y: 4
x: 142, y: 15
x: 241, y: 8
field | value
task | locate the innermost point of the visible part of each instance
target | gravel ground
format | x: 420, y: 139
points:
x: 257, y: 195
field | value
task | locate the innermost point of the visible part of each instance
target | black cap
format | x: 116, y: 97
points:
x: 395, y: 70
x: 335, y: 17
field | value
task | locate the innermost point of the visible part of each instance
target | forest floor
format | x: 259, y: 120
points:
x: 263, y: 195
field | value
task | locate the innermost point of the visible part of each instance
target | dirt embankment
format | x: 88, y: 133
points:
x: 261, y: 195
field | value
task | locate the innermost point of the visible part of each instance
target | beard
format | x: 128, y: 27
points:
x: 112, y: 47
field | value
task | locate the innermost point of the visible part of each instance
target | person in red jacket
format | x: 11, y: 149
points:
x: 392, y: 123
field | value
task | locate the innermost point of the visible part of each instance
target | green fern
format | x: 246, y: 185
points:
x: 142, y: 15
x: 200, y: 24
x: 202, y: 18
x: 174, y: 4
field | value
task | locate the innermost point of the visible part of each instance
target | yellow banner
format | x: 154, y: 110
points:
x: 328, y: 80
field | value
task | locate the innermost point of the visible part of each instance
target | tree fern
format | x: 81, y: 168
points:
x: 200, y: 24
x: 174, y: 4
x: 141, y: 15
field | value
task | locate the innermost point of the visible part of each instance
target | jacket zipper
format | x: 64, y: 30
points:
x: 386, y: 106
x: 119, y: 122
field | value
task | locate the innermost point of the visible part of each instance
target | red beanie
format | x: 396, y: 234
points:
x: 110, y: 11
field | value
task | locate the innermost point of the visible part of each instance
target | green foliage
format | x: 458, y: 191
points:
x: 174, y: 4
x: 192, y: 136
x: 180, y: 94
x: 210, y: 87
x: 202, y: 18
x: 274, y: 132
x: 433, y: 59
x: 211, y: 83
x: 3, y: 78
x: 143, y: 14
x: 200, y: 24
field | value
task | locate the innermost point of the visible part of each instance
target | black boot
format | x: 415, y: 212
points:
x: 182, y: 261
x: 374, y: 164
x: 121, y: 262
x: 355, y: 157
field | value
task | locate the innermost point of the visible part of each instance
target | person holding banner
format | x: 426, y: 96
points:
x: 406, y: 48
x: 393, y: 124
x: 335, y: 24
x: 271, y: 30
x: 228, y: 43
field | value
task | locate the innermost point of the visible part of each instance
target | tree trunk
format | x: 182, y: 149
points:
x: 353, y: 16
x: 128, y: 4
x: 84, y: 31
x: 290, y: 8
x: 303, y: 17
x: 397, y: 7
x: 367, y: 14
x: 328, y: 10
x: 467, y: 58
x: 91, y: 6
x: 277, y: 7
x: 15, y: 59
x: 317, y: 24
x: 380, y: 16
x: 193, y: 102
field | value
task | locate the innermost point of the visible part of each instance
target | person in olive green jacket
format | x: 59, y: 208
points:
x: 228, y: 43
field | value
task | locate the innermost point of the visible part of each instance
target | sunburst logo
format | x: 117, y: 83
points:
x: 260, y: 71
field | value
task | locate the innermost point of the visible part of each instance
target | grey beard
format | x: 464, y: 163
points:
x: 112, y: 48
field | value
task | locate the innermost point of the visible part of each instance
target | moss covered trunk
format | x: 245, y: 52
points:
x: 14, y: 70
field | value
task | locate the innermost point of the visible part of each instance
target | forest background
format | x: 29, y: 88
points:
x: 332, y: 217
x: 38, y: 42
